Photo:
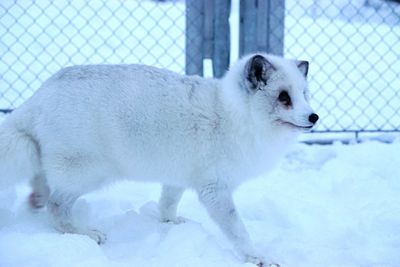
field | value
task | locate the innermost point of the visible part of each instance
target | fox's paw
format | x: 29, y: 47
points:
x: 260, y: 262
x: 37, y: 201
x: 176, y: 220
x: 97, y: 236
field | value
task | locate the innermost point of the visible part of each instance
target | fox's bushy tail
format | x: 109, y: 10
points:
x: 19, y: 152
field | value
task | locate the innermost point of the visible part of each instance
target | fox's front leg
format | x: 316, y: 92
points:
x: 217, y: 198
x: 170, y: 196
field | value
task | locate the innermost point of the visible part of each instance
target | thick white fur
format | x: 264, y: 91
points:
x: 90, y: 125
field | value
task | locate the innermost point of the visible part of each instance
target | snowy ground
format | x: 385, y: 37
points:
x: 325, y: 206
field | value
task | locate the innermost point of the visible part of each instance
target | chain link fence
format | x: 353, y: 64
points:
x: 353, y: 48
x: 40, y: 37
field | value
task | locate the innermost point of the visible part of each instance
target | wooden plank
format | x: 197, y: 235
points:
x: 209, y: 7
x: 194, y: 37
x: 261, y: 26
x: 248, y: 27
x: 221, y: 37
x: 276, y: 27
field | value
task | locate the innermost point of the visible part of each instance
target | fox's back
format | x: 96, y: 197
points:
x: 121, y: 114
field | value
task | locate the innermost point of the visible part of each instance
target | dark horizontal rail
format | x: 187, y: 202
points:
x: 6, y: 110
x: 358, y: 131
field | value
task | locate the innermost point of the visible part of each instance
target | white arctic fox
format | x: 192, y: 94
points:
x: 91, y: 125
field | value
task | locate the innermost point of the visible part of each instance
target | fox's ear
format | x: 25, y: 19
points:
x: 303, y: 67
x: 259, y: 70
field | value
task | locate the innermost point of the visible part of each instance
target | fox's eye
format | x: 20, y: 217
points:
x: 284, y: 98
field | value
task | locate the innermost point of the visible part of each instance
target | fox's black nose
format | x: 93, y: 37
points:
x: 313, y: 118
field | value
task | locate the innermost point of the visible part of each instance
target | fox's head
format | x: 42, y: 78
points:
x: 274, y: 90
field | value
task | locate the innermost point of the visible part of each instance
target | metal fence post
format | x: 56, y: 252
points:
x: 261, y: 26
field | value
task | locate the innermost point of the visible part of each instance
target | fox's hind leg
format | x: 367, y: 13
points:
x: 40, y: 192
x: 168, y: 204
x: 59, y: 207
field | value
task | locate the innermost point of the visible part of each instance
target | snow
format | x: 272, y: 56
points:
x: 329, y: 206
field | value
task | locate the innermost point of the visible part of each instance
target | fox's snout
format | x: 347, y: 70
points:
x: 313, y: 118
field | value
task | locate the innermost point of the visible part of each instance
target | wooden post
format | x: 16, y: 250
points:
x: 207, y: 35
x: 261, y: 26
x: 221, y: 53
x: 276, y: 27
x: 194, y: 37
x: 248, y: 27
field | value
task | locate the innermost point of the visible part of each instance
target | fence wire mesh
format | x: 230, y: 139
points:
x: 40, y: 37
x: 353, y: 48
